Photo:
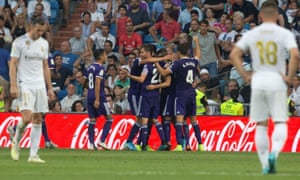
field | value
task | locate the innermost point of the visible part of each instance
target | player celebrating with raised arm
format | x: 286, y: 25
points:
x: 28, y: 73
x: 268, y: 44
x: 96, y: 100
x: 185, y: 69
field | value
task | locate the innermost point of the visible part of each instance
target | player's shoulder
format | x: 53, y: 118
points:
x: 20, y: 39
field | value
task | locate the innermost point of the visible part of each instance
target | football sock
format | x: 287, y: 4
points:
x: 19, y: 131
x: 44, y: 131
x: 262, y: 145
x: 278, y: 138
x: 134, y: 130
x: 144, y: 134
x: 178, y: 127
x: 160, y: 131
x: 167, y: 128
x: 149, y: 130
x: 186, y: 133
x: 197, y: 132
x: 35, y: 137
x: 91, y: 131
x: 106, y: 129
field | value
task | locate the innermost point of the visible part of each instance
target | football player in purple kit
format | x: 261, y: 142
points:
x: 96, y: 99
x: 185, y: 69
x: 149, y: 98
x: 134, y: 102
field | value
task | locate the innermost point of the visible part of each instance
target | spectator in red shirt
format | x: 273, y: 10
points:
x: 121, y: 21
x: 168, y: 27
x: 130, y: 40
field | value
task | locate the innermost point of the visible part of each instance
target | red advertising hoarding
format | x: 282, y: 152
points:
x: 219, y: 133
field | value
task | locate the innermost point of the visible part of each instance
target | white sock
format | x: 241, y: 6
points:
x: 19, y: 131
x: 278, y: 138
x: 35, y: 137
x: 262, y: 145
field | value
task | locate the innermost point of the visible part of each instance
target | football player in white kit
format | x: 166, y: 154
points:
x: 28, y: 73
x: 267, y: 44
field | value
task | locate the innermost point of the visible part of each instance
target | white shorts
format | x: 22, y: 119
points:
x: 266, y: 103
x: 35, y: 100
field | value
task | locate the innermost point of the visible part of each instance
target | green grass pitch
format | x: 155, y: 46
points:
x: 64, y: 164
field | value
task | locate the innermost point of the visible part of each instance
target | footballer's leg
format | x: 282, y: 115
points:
x: 133, y: 132
x: 262, y: 145
x: 105, y: 131
x: 144, y: 133
x: 48, y: 142
x: 197, y: 133
x: 91, y: 134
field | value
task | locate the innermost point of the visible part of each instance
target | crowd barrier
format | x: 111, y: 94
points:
x: 219, y: 133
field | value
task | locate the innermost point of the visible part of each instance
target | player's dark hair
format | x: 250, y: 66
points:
x: 148, y: 48
x: 37, y: 20
x: 183, y: 49
x: 98, y: 53
x: 269, y: 4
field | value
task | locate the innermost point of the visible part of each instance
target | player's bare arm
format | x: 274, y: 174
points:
x: 13, y: 77
x: 47, y: 76
x: 197, y: 52
x: 97, y: 92
x: 162, y: 71
x: 236, y: 60
x: 156, y: 59
x: 293, y: 64
x: 139, y: 79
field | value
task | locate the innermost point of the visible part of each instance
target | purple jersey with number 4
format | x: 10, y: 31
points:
x: 185, y: 70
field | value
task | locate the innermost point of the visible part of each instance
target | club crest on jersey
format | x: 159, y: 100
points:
x: 27, y: 43
x: 42, y: 49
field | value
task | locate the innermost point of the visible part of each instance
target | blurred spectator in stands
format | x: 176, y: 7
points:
x: 252, y: 24
x: 121, y: 21
x: 216, y: 5
x: 130, y: 58
x: 107, y: 90
x: 77, y: 42
x: 137, y: 52
x: 220, y: 25
x: 235, y: 75
x: 130, y: 40
x: 20, y: 27
x: 169, y: 30
x: 211, y: 82
x: 232, y: 106
x: 79, y: 84
x: 98, y: 38
x: 123, y: 62
x: 4, y: 31
x: 60, y: 75
x: 9, y: 17
x: 108, y: 48
x: 110, y: 101
x: 55, y: 106
x: 238, y: 21
x: 185, y: 15
x: 68, y: 57
x: 123, y: 81
x: 121, y: 104
x: 291, y: 103
x: 194, y: 27
x: 112, y: 76
x: 169, y: 5
x: 4, y: 75
x: 84, y: 61
x: 247, y: 8
x: 105, y: 7
x: 232, y: 84
x: 97, y: 17
x: 282, y: 18
x: 194, y: 16
x: 112, y: 59
x: 65, y: 6
x: 210, y: 52
x: 19, y: 7
x: 32, y: 5
x: 210, y: 17
x: 157, y: 9
x: 69, y: 99
x: 292, y: 10
x: 115, y: 9
x: 86, y: 24
x: 78, y: 107
x: 139, y: 17
x: 295, y: 95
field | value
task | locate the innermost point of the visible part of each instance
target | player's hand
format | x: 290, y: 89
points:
x: 96, y: 104
x: 195, y: 38
x: 150, y: 87
x: 125, y: 71
x: 14, y: 92
x: 287, y: 80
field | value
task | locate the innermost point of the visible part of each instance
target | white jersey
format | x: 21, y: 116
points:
x: 30, y: 54
x: 268, y: 43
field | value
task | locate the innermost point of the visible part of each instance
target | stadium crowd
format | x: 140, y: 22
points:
x: 121, y: 27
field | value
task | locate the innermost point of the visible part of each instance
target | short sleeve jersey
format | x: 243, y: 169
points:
x: 30, y: 54
x: 95, y: 71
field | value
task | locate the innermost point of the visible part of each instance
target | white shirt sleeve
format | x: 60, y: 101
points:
x: 15, y: 50
x: 290, y: 41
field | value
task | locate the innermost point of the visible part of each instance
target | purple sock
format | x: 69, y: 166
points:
x: 160, y: 131
x: 178, y: 127
x: 105, y: 130
x: 44, y: 131
x: 144, y: 134
x: 186, y: 132
x: 134, y: 130
x: 167, y: 128
x: 197, y: 132
x: 91, y: 131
